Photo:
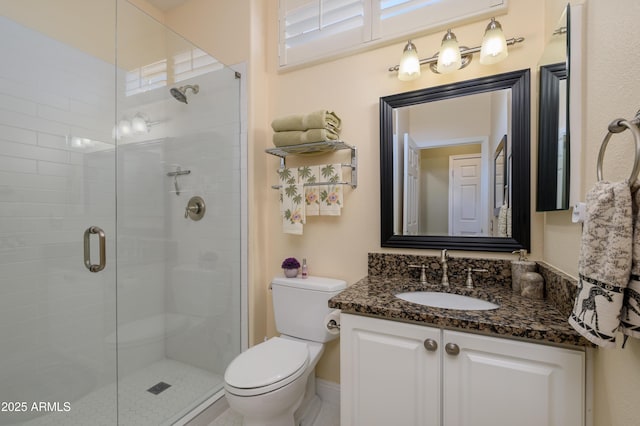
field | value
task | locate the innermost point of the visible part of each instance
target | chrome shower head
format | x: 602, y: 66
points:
x: 180, y: 93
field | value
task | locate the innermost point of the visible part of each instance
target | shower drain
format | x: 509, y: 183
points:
x: 158, y: 388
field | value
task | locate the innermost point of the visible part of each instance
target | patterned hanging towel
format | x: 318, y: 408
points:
x: 630, y: 315
x: 331, y: 200
x: 310, y: 175
x: 291, y: 201
x: 605, y: 263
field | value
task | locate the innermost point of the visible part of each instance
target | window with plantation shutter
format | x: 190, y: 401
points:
x: 322, y: 27
x: 311, y: 30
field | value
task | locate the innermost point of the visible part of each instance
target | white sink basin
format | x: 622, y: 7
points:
x: 447, y: 300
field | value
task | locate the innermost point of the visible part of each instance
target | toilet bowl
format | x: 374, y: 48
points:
x: 267, y: 383
x: 273, y: 383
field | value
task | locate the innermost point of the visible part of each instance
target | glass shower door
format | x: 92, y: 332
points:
x: 178, y: 215
x: 57, y: 180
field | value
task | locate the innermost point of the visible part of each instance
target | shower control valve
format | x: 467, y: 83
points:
x: 195, y: 208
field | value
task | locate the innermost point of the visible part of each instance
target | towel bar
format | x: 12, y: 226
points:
x: 619, y: 125
x: 318, y: 184
x: 319, y: 147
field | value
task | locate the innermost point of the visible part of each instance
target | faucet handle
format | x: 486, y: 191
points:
x: 444, y: 256
x: 469, y: 283
x: 423, y: 272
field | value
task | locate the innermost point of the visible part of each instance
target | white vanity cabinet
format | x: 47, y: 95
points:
x: 395, y: 373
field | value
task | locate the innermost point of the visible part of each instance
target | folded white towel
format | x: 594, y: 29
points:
x: 308, y: 175
x: 605, y: 262
x: 630, y: 315
x: 331, y: 199
x: 291, y: 201
x: 321, y: 119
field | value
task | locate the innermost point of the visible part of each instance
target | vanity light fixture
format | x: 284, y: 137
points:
x: 494, y: 45
x: 409, y: 68
x: 449, y: 57
x: 452, y: 57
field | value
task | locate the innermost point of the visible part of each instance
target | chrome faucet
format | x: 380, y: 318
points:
x: 443, y: 261
x: 423, y: 272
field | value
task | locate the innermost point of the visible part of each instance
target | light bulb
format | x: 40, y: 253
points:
x: 124, y: 127
x: 449, y: 58
x: 139, y: 124
x: 409, y: 68
x: 494, y: 45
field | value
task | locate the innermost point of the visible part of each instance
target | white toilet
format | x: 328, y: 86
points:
x: 273, y: 383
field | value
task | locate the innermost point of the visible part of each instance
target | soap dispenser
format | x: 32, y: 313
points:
x: 519, y: 267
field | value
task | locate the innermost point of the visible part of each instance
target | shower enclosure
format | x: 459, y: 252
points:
x: 121, y: 272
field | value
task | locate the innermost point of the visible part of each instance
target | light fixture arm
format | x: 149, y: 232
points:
x: 465, y: 52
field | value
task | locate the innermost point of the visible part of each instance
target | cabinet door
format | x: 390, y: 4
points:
x: 498, y: 382
x: 387, y: 375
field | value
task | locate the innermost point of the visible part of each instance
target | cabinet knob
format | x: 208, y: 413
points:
x: 452, y: 349
x: 430, y: 345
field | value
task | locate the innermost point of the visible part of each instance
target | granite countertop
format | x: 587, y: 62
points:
x: 517, y: 316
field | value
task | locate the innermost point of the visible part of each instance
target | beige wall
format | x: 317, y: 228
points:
x: 611, y: 91
x: 90, y: 28
x: 352, y: 86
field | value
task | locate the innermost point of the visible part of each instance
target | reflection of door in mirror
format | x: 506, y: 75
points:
x: 427, y: 138
x: 411, y: 185
x: 465, y: 190
x: 499, y: 176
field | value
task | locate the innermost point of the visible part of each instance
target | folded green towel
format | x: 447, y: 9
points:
x: 298, y: 137
x: 322, y: 119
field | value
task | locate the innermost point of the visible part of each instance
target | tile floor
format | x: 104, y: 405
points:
x: 329, y: 415
x: 189, y: 387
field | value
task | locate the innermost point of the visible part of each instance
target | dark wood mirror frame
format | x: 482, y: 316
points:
x: 519, y: 83
x: 548, y: 185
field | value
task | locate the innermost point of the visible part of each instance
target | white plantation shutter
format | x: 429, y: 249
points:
x: 192, y: 63
x: 146, y: 78
x: 393, y: 18
x: 314, y: 29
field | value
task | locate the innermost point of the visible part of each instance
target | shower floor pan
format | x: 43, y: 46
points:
x: 189, y: 386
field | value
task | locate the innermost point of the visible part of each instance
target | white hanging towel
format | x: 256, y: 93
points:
x: 309, y: 175
x: 605, y: 262
x: 502, y: 221
x: 291, y: 201
x: 331, y: 200
x: 630, y: 315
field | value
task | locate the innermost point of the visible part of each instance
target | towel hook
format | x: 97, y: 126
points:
x: 617, y: 126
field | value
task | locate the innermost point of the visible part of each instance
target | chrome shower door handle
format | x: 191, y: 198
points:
x: 87, y: 249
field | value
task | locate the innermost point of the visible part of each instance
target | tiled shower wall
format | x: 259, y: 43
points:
x: 54, y: 314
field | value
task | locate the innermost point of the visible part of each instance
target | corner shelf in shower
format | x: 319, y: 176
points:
x: 319, y: 148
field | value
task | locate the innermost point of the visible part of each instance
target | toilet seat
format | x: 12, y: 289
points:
x: 266, y: 367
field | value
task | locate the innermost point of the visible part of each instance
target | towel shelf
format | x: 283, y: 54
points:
x: 319, y: 148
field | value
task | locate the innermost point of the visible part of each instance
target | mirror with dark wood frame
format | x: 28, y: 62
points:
x: 517, y: 168
x: 553, y: 140
x: 554, y: 153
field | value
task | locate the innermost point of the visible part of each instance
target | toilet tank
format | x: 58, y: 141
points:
x: 300, y: 306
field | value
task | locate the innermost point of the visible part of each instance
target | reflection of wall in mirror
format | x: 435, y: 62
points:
x: 482, y: 118
x: 434, y: 173
x: 400, y: 128
x: 500, y: 126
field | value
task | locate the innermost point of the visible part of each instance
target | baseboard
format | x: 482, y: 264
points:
x: 207, y: 411
x: 328, y: 392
